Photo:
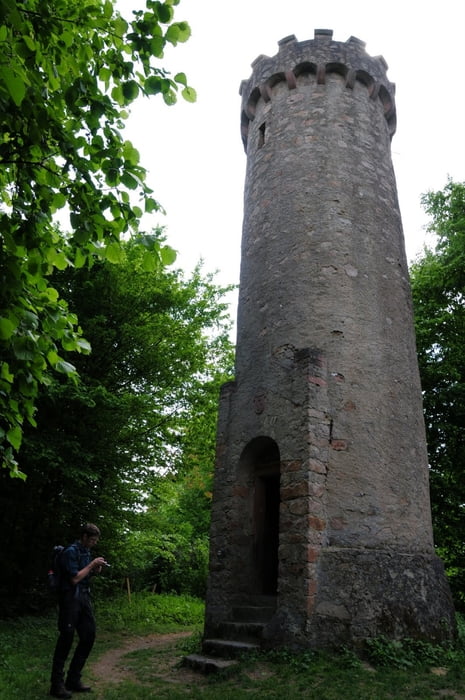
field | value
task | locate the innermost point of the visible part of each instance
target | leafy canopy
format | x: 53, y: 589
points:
x: 132, y: 446
x: 68, y: 72
x: 438, y: 286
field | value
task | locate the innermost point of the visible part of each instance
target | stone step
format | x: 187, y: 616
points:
x: 243, y: 630
x: 207, y: 664
x: 227, y: 648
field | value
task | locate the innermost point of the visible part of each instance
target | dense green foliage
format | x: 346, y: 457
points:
x: 145, y: 613
x: 68, y: 72
x: 438, y: 284
x: 119, y: 448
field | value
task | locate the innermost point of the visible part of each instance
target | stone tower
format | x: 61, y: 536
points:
x: 321, y: 508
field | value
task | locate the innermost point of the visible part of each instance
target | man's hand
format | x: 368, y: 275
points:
x: 94, y: 567
x: 98, y: 561
x: 97, y: 564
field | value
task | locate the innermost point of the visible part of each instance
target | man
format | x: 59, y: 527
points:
x: 75, y: 612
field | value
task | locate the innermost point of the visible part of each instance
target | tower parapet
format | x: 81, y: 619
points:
x: 317, y: 58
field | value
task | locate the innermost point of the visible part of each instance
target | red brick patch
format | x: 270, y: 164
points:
x: 316, y: 523
x: 339, y: 445
x: 319, y: 381
x: 312, y: 554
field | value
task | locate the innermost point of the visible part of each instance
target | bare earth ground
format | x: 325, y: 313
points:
x: 110, y: 668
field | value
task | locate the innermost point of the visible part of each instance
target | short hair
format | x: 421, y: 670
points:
x: 90, y: 530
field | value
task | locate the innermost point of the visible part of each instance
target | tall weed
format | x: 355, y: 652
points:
x: 146, y: 612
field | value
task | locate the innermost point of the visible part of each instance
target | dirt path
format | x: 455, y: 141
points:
x: 109, y: 668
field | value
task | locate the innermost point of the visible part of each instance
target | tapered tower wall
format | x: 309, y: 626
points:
x: 327, y: 392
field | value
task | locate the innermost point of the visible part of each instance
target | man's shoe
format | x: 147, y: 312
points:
x: 59, y: 691
x: 78, y: 688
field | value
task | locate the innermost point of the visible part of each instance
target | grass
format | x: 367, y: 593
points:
x: 147, y: 613
x: 391, y: 670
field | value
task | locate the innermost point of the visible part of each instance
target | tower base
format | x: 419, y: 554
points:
x: 362, y: 595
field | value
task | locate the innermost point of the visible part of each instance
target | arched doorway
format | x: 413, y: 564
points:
x: 262, y: 459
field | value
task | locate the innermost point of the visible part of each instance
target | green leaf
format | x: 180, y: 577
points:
x: 59, y: 200
x: 52, y: 357
x: 168, y: 255
x: 130, y: 90
x: 65, y: 367
x: 130, y: 153
x: 5, y: 373
x: 23, y: 350
x: 129, y: 181
x: 165, y: 12
x: 153, y: 85
x: 121, y: 26
x: 105, y: 75
x: 30, y: 320
x: 68, y: 343
x: 169, y: 97
x: 83, y: 346
x: 189, y: 94
x: 51, y: 294
x: 117, y: 95
x: 157, y: 44
x: 34, y: 265
x: 112, y: 177
x: 7, y: 328
x: 27, y: 387
x: 57, y: 258
x: 30, y: 409
x: 108, y: 9
x: 13, y: 15
x: 30, y: 43
x: 14, y: 437
x: 149, y: 262
x: 184, y: 31
x: 151, y: 205
x: 113, y: 252
x: 68, y: 39
x: 79, y: 258
x: 181, y: 78
x: 178, y: 31
x: 15, y: 87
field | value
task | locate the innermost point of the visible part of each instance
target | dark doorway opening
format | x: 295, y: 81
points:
x: 261, y: 459
x: 267, y: 532
x: 261, y: 463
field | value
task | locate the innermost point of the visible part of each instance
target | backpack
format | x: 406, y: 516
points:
x: 54, y: 572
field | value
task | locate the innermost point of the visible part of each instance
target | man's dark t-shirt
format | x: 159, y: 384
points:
x: 72, y: 560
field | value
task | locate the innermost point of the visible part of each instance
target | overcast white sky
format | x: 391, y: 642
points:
x: 194, y: 152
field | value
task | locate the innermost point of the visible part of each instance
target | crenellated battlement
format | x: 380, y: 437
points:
x: 317, y: 57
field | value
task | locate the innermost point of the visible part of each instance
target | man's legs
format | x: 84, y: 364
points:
x: 62, y: 649
x: 85, y: 628
x: 66, y: 625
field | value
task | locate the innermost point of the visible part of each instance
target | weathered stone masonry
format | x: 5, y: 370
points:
x: 321, y: 498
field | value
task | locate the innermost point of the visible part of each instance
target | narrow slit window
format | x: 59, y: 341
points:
x: 261, y: 135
